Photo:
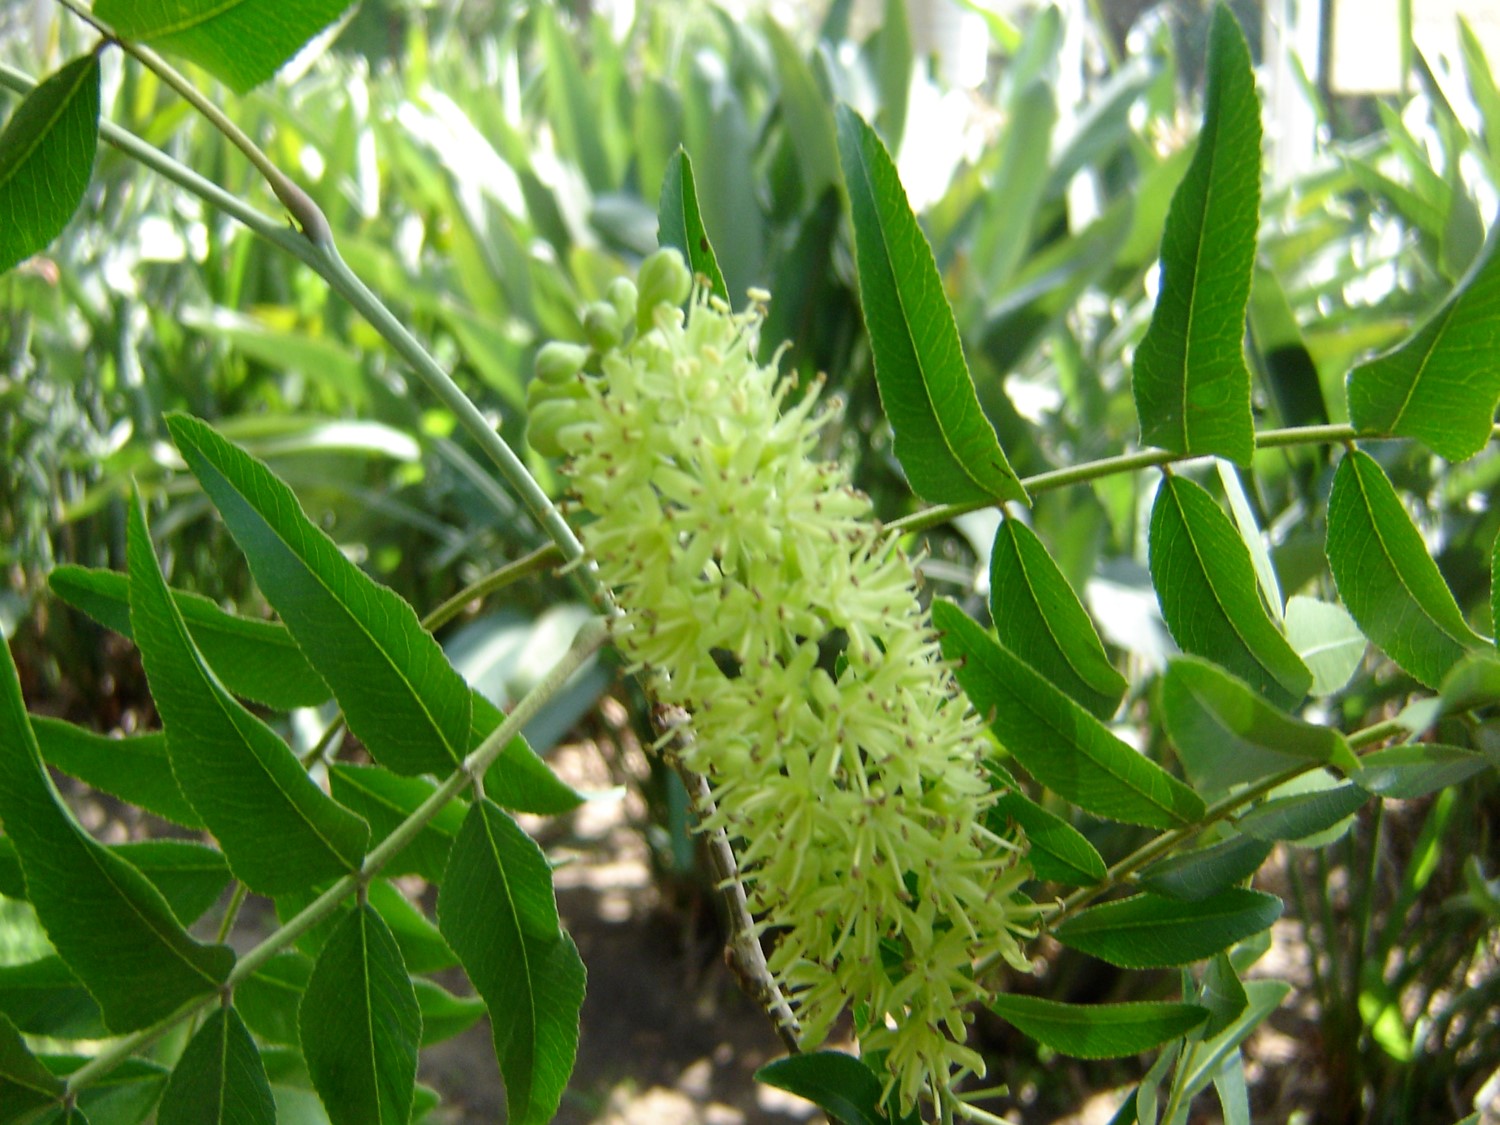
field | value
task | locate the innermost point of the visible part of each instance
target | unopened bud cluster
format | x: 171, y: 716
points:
x: 853, y: 782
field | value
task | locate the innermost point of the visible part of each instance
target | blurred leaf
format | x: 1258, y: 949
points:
x: 497, y: 911
x: 717, y: 132
x: 1192, y: 389
x: 943, y: 440
x: 1055, y: 849
x: 25, y: 1084
x: 1007, y: 221
x: 1196, y: 875
x: 1441, y: 385
x: 135, y: 768
x: 805, y: 112
x: 1097, y: 1031
x: 398, y: 692
x: 318, y: 358
x: 1386, y: 577
x: 360, y: 1026
x: 444, y: 1015
x: 1225, y: 733
x: 895, y: 60
x: 1297, y: 817
x: 254, y: 659
x: 42, y: 997
x: 46, y: 158
x: 269, y: 997
x: 574, y: 113
x: 1147, y: 931
x: 1416, y: 769
x: 242, y: 43
x: 1471, y: 683
x: 219, y: 1080
x: 1205, y: 583
x: 278, y: 829
x: 1290, y: 373
x: 386, y: 799
x: 1222, y: 994
x: 841, y: 1085
x: 1058, y: 742
x: 1327, y: 640
x: 680, y: 224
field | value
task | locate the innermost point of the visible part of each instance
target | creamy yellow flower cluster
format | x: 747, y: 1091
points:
x: 854, y: 783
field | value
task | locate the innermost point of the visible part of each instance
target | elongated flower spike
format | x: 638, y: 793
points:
x: 856, y: 788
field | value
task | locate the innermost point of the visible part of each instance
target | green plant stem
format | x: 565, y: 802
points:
x: 589, y: 639
x: 1179, y: 1081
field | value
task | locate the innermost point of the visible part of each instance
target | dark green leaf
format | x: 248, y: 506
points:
x: 943, y: 441
x: 1192, y: 388
x: 679, y: 224
x: 497, y: 911
x: 278, y: 830
x: 46, y: 158
x: 135, y: 768
x: 1055, y: 849
x: 255, y: 659
x: 43, y: 998
x: 1038, y: 616
x: 1222, y: 994
x: 241, y: 43
x: 1058, y: 742
x: 1418, y: 768
x: 1386, y: 577
x: 1196, y: 875
x: 385, y: 800
x: 1300, y: 815
x: 1147, y: 931
x: 1264, y: 997
x: 398, y: 691
x: 1441, y: 384
x: 1472, y: 683
x: 423, y: 949
x: 840, y: 1085
x: 518, y: 779
x: 190, y: 876
x: 268, y: 998
x: 110, y: 925
x: 1205, y: 582
x: 220, y: 1079
x: 1290, y: 372
x: 360, y: 1025
x: 445, y: 1015
x: 1098, y: 1031
x: 1225, y: 733
x: 25, y: 1084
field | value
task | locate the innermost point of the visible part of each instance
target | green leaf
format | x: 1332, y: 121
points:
x: 804, y: 112
x: 25, y: 1084
x: 279, y: 831
x: 1192, y: 388
x: 42, y: 997
x: 1007, y: 221
x: 1416, y: 769
x: 518, y: 779
x: 445, y: 1015
x: 1196, y: 875
x: 1222, y: 994
x: 1440, y: 385
x: 1058, y: 742
x: 1147, y: 931
x: 241, y: 43
x: 1225, y: 733
x: 1472, y: 683
x: 189, y: 876
x: 573, y: 112
x: 841, y: 1085
x: 679, y: 223
x: 135, y: 768
x: 1264, y: 997
x: 1205, y: 583
x: 1302, y: 815
x: 1055, y: 849
x: 398, y: 691
x: 220, y: 1079
x: 268, y: 998
x: 255, y: 659
x: 1386, y: 577
x: 1327, y: 640
x: 385, y: 800
x: 360, y: 1025
x: 110, y: 925
x: 895, y: 59
x: 497, y: 911
x: 1098, y: 1031
x: 943, y: 440
x: 423, y: 949
x: 1038, y: 616
x: 46, y: 158
x: 125, y: 1095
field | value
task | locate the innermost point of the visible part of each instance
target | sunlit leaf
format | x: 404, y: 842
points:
x: 1147, y: 931
x: 680, y: 224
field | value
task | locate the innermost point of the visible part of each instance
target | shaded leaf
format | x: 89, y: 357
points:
x: 1205, y: 583
x: 1054, y: 848
x: 1058, y: 742
x: 219, y: 1080
x: 572, y: 111
x: 1327, y: 639
x: 1204, y: 872
x: 385, y: 800
x: 134, y: 768
x: 1264, y: 997
x: 518, y: 779
x: 805, y: 114
x: 43, y: 997
x: 46, y: 157
x: 445, y: 1015
x: 841, y: 1085
x: 25, y: 1084
x: 1386, y: 577
x: 1222, y: 994
x: 680, y: 224
x: 943, y: 440
x: 1098, y: 1031
x: 268, y: 998
x: 1416, y: 769
x: 1192, y: 388
x: 190, y: 876
x: 423, y: 949
x: 1301, y: 815
x: 1147, y: 931
x: 278, y: 830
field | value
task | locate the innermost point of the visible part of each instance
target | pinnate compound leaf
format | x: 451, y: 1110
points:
x: 1386, y: 577
x: 241, y: 43
x: 1057, y: 741
x: 1147, y: 931
x: 360, y: 1025
x: 1038, y: 616
x: 1225, y: 733
x: 25, y: 1084
x: 943, y: 440
x: 279, y: 831
x: 398, y: 691
x: 1192, y: 388
x: 1205, y: 583
x: 497, y: 911
x: 1196, y: 875
x: 1055, y: 849
x: 841, y: 1085
x: 679, y: 223
x: 1440, y: 385
x: 135, y: 768
x: 257, y: 660
x: 220, y: 1079
x: 113, y: 928
x: 46, y: 157
x: 1098, y: 1031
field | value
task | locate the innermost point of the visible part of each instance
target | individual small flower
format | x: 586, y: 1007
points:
x: 854, y: 784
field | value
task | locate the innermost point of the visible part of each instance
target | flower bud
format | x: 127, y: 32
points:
x: 664, y: 280
x: 602, y: 326
x: 557, y: 362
